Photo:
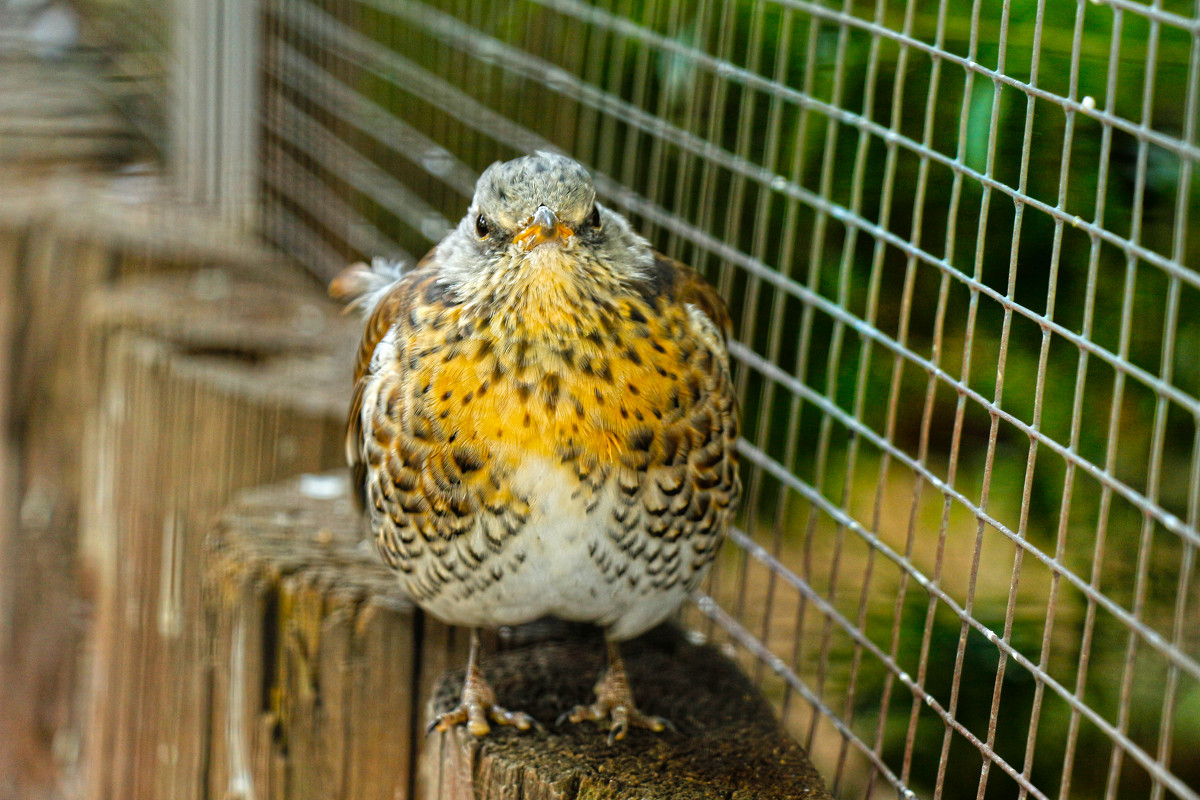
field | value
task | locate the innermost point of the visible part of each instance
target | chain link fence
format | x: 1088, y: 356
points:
x: 955, y: 237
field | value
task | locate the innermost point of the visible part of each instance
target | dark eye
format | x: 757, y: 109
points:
x: 481, y: 227
x: 594, y: 218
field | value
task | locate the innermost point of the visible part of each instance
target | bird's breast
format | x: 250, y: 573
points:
x: 578, y: 472
x: 596, y: 388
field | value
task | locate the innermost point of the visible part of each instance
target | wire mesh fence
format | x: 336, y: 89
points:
x: 955, y: 239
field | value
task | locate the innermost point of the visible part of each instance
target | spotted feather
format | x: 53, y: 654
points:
x: 552, y: 430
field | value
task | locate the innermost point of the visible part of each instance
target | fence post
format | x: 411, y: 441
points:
x: 214, y: 101
x: 207, y: 383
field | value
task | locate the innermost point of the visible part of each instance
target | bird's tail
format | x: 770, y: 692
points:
x: 361, y: 286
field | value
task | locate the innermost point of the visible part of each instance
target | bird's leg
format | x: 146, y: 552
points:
x: 614, y: 701
x: 477, y: 703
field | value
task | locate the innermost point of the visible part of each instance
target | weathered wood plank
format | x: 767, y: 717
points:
x: 132, y: 217
x: 443, y: 648
x: 61, y: 111
x: 203, y: 392
x: 728, y: 743
x: 18, y: 755
x: 381, y: 698
x: 45, y: 281
x: 336, y: 644
x: 59, y: 239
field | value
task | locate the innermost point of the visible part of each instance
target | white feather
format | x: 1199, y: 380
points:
x: 363, y: 286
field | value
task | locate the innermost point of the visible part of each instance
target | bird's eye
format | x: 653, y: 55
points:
x: 594, y: 218
x: 481, y: 227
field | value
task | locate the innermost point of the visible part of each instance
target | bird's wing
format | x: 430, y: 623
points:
x: 353, y: 285
x: 678, y: 475
x: 432, y: 493
x: 683, y: 284
x: 359, y: 286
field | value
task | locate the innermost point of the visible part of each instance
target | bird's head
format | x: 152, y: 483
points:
x: 540, y: 212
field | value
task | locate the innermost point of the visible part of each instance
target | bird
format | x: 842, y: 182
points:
x: 543, y: 422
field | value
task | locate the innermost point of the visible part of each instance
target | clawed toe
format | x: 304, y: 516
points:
x: 614, y: 703
x: 478, y: 705
x: 621, y: 717
x: 475, y: 716
x: 518, y: 719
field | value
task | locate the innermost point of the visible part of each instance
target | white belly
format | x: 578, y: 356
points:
x: 553, y: 565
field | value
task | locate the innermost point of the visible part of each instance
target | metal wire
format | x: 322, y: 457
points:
x: 967, y: 561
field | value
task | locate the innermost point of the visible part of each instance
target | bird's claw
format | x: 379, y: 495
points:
x: 477, y: 704
x: 614, y: 701
x: 621, y: 715
x: 475, y: 716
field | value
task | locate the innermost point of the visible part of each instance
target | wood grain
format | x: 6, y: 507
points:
x: 728, y: 743
x: 207, y: 384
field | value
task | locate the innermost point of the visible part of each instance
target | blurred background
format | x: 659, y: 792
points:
x: 959, y: 241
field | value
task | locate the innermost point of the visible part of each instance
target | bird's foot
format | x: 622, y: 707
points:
x: 477, y: 705
x: 475, y: 716
x: 623, y: 716
x: 614, y: 702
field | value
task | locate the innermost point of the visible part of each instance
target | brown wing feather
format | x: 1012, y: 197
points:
x: 687, y: 286
x: 439, y: 506
x: 398, y: 300
x: 347, y: 286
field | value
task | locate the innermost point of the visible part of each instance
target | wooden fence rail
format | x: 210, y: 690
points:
x: 314, y: 674
x: 208, y: 383
x: 61, y: 236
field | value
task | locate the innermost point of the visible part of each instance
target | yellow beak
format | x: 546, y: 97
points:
x: 543, y: 228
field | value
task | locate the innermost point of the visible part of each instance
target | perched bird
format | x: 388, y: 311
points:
x: 543, y: 423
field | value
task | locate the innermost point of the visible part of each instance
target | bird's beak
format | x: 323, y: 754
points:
x: 544, y: 227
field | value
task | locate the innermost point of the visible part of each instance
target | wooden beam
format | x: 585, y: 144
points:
x: 315, y: 653
x: 208, y: 383
x: 317, y: 681
x: 44, y: 280
x: 728, y: 743
x: 18, y: 754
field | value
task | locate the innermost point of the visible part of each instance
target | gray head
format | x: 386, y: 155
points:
x: 508, y: 193
x: 532, y: 206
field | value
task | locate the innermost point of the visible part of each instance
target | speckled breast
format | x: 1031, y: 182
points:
x: 583, y: 466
